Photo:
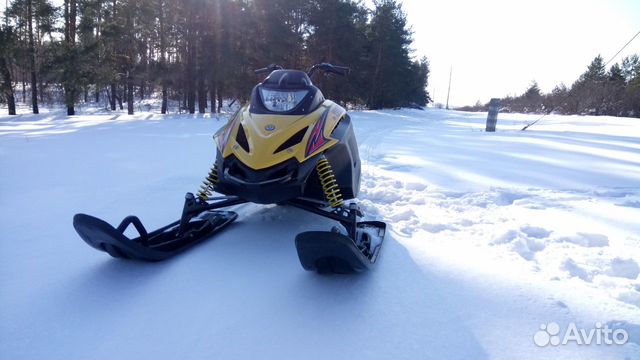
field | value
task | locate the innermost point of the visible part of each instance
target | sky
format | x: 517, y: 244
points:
x: 497, y: 48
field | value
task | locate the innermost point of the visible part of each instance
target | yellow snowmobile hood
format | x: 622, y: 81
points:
x: 272, y: 139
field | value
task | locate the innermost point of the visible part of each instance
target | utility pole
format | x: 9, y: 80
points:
x: 449, y: 89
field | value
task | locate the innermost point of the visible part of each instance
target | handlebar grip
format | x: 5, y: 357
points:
x: 268, y: 69
x: 342, y: 70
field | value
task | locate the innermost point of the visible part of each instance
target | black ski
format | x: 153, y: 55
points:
x: 353, y: 250
x: 198, y: 222
x: 334, y: 252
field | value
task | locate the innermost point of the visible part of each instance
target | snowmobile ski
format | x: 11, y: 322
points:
x: 342, y: 251
x: 197, y: 223
x: 154, y: 246
x: 334, y: 252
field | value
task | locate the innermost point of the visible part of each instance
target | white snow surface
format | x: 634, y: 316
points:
x: 490, y: 236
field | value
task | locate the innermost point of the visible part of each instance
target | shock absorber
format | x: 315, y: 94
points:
x: 329, y: 183
x: 209, y: 183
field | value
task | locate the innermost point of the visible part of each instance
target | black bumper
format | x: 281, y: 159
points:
x: 276, y: 184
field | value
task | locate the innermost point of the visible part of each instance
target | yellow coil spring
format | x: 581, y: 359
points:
x: 329, y: 183
x: 208, y: 185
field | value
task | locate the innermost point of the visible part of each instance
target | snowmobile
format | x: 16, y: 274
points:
x: 287, y: 146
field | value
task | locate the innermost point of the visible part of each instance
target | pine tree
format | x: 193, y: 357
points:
x: 631, y: 72
x: 418, y: 80
x: 91, y: 47
x: 532, y: 98
x: 390, y: 66
x: 31, y: 21
x: 282, y: 25
x: 614, y: 89
x: 203, y: 51
x: 558, y: 99
x: 45, y: 17
x: 588, y: 90
x: 338, y: 36
x: 111, y: 46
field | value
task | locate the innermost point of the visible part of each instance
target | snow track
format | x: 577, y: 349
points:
x: 491, y: 235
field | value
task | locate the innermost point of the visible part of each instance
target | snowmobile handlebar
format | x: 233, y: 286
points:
x: 268, y: 69
x: 326, y: 67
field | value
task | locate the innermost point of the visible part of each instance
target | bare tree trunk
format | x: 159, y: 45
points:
x: 119, y: 98
x: 98, y: 85
x: 129, y: 38
x: 70, y: 11
x: 129, y: 93
x: 164, y: 99
x: 41, y: 89
x: 142, y: 76
x: 191, y: 93
x: 212, y: 94
x: 39, y: 56
x: 163, y: 59
x: 24, y: 88
x: 216, y: 39
x: 190, y: 63
x: 7, y: 86
x: 111, y: 48
x: 202, y: 95
x: 32, y: 59
x: 112, y: 99
x: 373, y: 98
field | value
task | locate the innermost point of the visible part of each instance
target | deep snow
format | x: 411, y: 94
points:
x: 493, y: 234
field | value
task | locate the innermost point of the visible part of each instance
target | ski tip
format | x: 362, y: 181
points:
x: 330, y: 252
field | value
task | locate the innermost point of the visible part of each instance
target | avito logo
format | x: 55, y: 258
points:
x: 551, y: 334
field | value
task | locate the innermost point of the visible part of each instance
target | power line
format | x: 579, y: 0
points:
x: 533, y: 123
x: 605, y: 66
x: 625, y: 45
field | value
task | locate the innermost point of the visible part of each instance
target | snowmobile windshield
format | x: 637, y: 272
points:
x: 277, y: 100
x: 287, y: 92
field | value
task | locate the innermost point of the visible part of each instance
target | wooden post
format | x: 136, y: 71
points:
x: 449, y: 88
x: 492, y: 116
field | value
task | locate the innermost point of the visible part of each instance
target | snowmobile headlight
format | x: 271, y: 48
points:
x: 282, y: 101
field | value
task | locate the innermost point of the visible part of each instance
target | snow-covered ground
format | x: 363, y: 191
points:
x: 493, y: 235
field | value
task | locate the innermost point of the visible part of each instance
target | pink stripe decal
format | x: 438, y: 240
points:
x: 317, y: 139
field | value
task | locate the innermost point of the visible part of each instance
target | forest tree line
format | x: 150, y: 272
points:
x: 598, y: 91
x: 199, y: 52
